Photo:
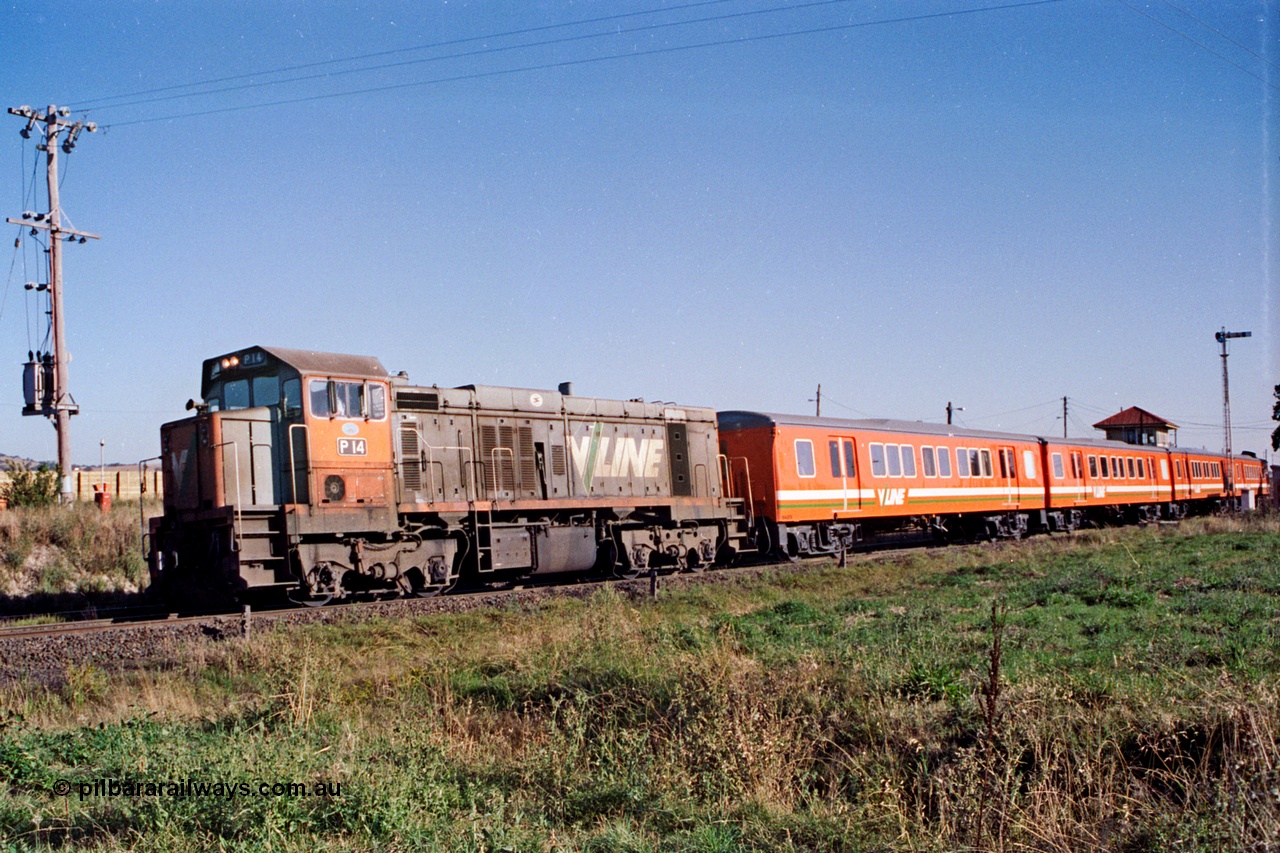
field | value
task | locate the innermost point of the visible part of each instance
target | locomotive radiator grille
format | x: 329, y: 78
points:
x: 411, y: 456
x: 528, y: 465
x: 557, y: 460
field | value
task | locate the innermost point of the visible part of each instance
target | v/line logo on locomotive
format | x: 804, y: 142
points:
x: 597, y: 456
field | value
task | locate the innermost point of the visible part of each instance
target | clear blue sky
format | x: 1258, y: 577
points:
x: 996, y: 208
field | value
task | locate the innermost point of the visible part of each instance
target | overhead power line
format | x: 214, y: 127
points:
x: 89, y: 104
x: 1198, y: 44
x: 1211, y: 27
x: 586, y: 61
x: 467, y: 54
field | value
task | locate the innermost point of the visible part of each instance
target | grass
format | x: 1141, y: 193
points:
x: 1132, y: 702
x: 63, y: 558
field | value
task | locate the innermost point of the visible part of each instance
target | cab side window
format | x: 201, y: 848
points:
x: 319, y: 391
x: 292, y: 389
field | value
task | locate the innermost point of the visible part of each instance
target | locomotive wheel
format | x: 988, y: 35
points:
x: 312, y: 600
x: 433, y: 591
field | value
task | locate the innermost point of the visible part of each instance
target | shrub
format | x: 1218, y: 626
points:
x: 34, y: 488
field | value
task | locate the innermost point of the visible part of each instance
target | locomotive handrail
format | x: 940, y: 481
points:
x: 142, y: 490
x: 497, y: 468
x: 471, y: 468
x: 239, y: 498
x: 727, y: 463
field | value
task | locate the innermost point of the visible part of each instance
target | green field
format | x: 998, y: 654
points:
x: 1111, y: 690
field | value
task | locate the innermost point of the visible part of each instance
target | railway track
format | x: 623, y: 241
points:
x: 245, y: 620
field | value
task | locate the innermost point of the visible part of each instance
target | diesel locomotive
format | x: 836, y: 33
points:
x: 321, y: 476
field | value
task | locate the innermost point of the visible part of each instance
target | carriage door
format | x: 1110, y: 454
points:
x: 844, y: 472
x: 1008, y: 476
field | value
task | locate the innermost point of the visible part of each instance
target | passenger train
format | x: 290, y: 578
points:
x: 321, y: 476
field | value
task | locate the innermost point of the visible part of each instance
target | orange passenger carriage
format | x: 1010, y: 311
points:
x: 824, y: 485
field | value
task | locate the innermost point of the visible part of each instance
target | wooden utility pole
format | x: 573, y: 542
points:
x: 1064, y: 417
x: 62, y: 406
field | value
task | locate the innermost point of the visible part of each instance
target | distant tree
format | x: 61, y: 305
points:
x: 1275, y: 416
x: 32, y: 487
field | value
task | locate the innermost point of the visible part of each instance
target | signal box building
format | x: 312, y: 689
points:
x: 1138, y: 426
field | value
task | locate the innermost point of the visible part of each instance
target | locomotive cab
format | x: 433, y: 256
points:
x: 285, y: 441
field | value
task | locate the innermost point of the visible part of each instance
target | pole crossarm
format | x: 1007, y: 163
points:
x: 57, y: 229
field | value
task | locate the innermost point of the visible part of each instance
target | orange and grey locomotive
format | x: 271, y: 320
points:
x: 322, y: 476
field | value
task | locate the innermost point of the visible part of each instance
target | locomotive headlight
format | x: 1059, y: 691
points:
x: 226, y: 362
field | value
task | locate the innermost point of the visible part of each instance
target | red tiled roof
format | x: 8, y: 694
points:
x: 1134, y: 416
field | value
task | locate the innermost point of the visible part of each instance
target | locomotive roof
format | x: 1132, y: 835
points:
x: 302, y: 360
x: 314, y: 361
x: 731, y: 420
x: 502, y: 398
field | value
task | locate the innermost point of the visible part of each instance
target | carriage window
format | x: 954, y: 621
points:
x: 908, y: 460
x: 986, y: 463
x: 1142, y: 470
x: 1029, y: 464
x: 1117, y: 466
x: 1106, y: 470
x: 1093, y: 467
x: 962, y: 462
x: 1005, y: 464
x: 1077, y: 470
x: 926, y: 462
x: 894, y: 460
x: 877, y: 460
x: 804, y: 458
x: 1129, y: 465
x: 841, y: 466
x: 1178, y: 467
x: 1164, y: 469
x: 1058, y: 471
x: 944, y: 462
